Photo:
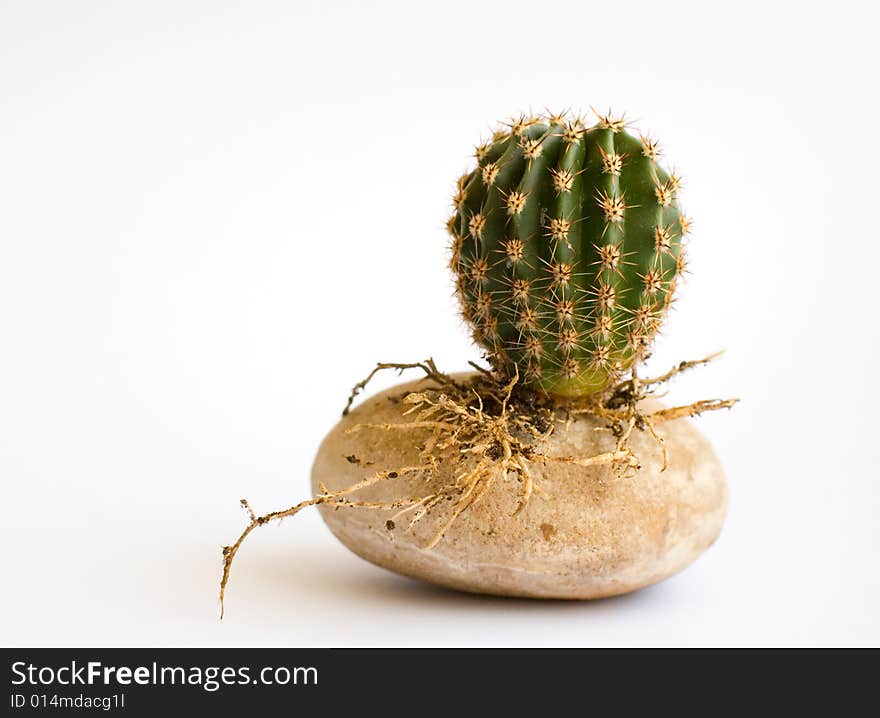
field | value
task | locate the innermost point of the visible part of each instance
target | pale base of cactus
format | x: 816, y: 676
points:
x: 495, y: 428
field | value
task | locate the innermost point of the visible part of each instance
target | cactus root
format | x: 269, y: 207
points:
x: 496, y: 427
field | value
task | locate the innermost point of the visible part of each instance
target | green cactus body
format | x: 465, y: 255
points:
x: 566, y: 249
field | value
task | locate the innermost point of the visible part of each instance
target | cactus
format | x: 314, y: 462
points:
x: 566, y: 246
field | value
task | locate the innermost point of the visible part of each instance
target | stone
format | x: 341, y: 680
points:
x: 585, y: 533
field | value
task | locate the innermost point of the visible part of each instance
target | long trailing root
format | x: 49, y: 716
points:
x: 497, y: 429
x: 326, y: 497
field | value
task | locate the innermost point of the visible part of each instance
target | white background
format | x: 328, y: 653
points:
x: 216, y: 216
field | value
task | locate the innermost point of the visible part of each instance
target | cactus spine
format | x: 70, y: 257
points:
x: 566, y: 246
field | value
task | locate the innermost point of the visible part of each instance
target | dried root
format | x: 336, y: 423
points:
x: 498, y: 429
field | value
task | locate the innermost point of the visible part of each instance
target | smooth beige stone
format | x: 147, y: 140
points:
x: 585, y: 533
